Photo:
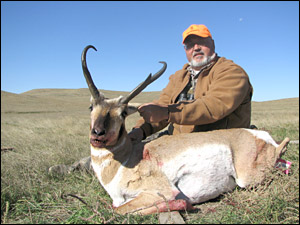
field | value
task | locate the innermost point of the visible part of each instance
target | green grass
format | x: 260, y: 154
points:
x: 49, y: 127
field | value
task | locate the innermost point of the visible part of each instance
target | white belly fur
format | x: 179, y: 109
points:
x: 202, y: 173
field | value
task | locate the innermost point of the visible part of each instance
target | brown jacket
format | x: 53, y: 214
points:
x: 222, y: 100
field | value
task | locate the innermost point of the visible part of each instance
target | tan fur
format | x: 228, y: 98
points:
x: 110, y: 171
x: 253, y: 158
x: 167, y: 147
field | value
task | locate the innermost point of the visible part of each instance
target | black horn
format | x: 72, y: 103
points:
x: 144, y: 84
x: 93, y: 89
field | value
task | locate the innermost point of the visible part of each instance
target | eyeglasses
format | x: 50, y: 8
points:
x: 191, y: 44
x: 188, y: 46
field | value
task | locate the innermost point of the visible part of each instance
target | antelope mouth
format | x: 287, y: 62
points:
x: 98, y: 143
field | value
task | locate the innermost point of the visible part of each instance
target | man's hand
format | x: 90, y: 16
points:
x: 136, y: 135
x: 153, y: 113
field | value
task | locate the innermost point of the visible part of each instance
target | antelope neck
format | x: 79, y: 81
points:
x: 122, y: 150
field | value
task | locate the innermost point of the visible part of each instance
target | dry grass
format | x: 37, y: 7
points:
x: 49, y: 127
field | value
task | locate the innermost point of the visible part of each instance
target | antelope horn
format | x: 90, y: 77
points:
x: 144, y: 84
x: 94, y: 91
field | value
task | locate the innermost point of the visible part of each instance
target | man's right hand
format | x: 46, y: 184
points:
x: 154, y: 113
x: 136, y: 135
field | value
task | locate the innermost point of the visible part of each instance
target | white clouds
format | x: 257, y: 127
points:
x: 241, y: 19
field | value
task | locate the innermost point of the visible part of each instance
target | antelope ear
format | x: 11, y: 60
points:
x: 132, y: 107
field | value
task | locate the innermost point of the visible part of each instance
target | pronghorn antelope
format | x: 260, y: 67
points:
x: 171, y: 172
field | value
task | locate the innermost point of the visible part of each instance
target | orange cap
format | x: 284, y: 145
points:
x: 199, y: 30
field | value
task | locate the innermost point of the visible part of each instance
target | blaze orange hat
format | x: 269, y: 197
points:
x: 199, y: 30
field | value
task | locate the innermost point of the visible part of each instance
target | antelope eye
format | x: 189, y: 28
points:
x: 124, y: 114
x: 91, y: 108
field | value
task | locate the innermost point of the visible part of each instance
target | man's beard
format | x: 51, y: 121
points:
x: 206, y: 60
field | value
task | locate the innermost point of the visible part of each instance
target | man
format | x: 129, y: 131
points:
x: 208, y: 93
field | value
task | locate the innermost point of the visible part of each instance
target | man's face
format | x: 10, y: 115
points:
x: 198, y: 50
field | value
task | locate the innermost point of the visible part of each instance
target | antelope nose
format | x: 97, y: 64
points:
x: 98, y: 132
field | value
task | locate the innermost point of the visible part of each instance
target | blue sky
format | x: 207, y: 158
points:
x: 41, y: 42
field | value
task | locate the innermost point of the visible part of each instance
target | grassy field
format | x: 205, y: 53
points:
x: 50, y: 126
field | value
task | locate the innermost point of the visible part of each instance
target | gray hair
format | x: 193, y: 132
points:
x: 206, y: 60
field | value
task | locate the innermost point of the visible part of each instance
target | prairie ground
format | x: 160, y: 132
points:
x: 46, y: 127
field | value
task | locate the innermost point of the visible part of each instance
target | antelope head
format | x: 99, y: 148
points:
x: 108, y: 115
